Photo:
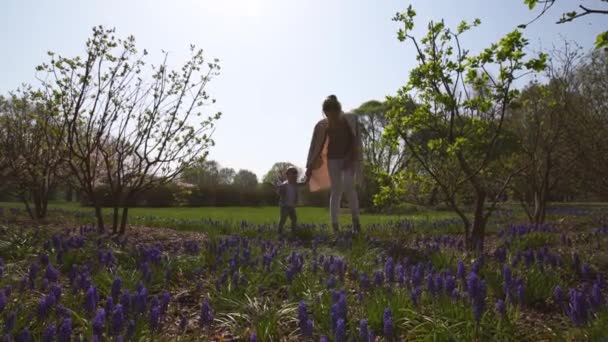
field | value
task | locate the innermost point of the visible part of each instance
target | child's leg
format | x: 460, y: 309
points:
x: 283, y: 219
x: 293, y: 217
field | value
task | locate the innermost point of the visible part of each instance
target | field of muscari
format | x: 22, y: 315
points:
x: 401, y: 279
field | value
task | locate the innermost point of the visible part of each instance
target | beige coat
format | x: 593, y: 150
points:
x: 317, y: 154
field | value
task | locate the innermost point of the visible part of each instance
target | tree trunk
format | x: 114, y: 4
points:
x: 115, y: 220
x: 27, y: 207
x: 479, y: 224
x: 123, y: 221
x: 69, y: 194
x: 99, y: 217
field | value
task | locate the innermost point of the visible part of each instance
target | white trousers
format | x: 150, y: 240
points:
x: 342, y: 181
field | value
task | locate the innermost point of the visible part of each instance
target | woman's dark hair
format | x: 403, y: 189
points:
x: 331, y: 104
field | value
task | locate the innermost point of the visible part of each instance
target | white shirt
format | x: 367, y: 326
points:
x: 290, y: 194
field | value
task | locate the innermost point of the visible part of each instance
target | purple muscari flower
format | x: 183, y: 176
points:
x: 118, y: 319
x: 164, y: 301
x: 507, y: 276
x: 418, y: 275
x: 206, y: 313
x: 364, y: 335
x: 596, y: 299
x: 476, y: 289
x: 323, y: 339
x: 449, y: 284
x: 139, y: 286
x: 330, y: 283
x: 389, y: 329
x: 24, y: 336
x: 500, y: 254
x: 44, y: 259
x: 56, y: 291
x: 52, y: 274
x: 98, y: 322
x: 90, y: 300
x: 3, y: 301
x: 578, y: 309
x: 378, y: 278
x: 460, y: 271
x: 558, y: 295
x: 439, y: 282
x: 389, y: 270
x: 585, y: 271
x: 130, y: 330
x: 340, y: 331
x: 116, y: 286
x: 364, y: 280
x: 33, y: 273
x: 400, y: 274
x: 415, y: 295
x: 109, y: 307
x: 146, y: 271
x: 308, y: 328
x: 48, y: 334
x: 44, y: 285
x: 154, y: 301
x: 520, y: 293
x: 501, y: 307
x: 342, y: 307
x: 303, y: 319
x: 430, y: 284
x: 9, y: 323
x: 253, y: 337
x: 140, y: 300
x: 65, y: 330
x: 477, y: 264
x: 125, y: 300
x: 45, y: 305
x: 154, y: 317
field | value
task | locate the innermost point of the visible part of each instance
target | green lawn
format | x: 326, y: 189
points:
x: 235, y: 214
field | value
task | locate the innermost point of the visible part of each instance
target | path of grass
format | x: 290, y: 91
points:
x: 250, y: 214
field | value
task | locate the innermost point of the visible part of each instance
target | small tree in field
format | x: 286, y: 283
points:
x: 32, y: 148
x: 456, y: 133
x: 125, y: 130
x: 540, y: 118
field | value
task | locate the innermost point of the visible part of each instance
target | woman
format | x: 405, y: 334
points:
x: 334, y: 159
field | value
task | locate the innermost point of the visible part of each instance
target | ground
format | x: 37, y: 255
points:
x: 228, y: 276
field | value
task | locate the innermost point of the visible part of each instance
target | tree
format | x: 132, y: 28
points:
x: 587, y: 132
x: 226, y: 175
x: 381, y: 159
x: 540, y: 119
x: 245, y: 179
x: 456, y: 135
x: 277, y: 172
x: 124, y: 131
x: 32, y: 148
x: 208, y: 173
x: 582, y: 11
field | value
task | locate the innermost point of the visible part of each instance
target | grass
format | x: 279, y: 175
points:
x: 257, y: 215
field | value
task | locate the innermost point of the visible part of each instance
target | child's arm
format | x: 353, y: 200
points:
x: 281, y: 190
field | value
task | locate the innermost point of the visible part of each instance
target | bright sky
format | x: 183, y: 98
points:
x: 279, y: 58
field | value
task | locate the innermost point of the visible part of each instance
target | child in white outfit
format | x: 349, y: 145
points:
x: 288, y: 198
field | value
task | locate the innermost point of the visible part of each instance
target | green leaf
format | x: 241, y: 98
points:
x: 601, y: 40
x: 531, y: 3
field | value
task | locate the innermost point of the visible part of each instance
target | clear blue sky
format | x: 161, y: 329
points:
x: 279, y: 58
